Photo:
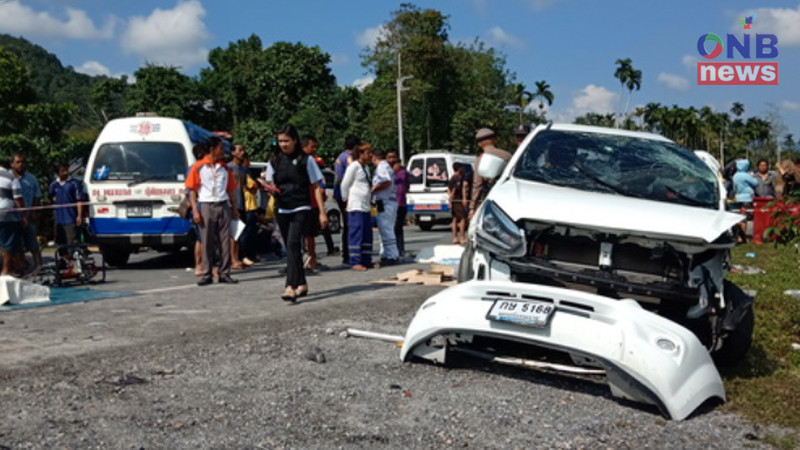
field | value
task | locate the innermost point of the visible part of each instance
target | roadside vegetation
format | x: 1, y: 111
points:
x: 765, y: 386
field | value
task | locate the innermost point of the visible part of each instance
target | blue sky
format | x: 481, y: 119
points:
x: 572, y: 44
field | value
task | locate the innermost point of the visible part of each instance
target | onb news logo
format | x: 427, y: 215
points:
x: 763, y: 49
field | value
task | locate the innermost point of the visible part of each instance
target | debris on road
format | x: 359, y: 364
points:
x: 393, y: 338
x: 746, y: 270
x: 794, y: 293
x: 315, y: 354
x: 15, y: 291
x: 437, y: 275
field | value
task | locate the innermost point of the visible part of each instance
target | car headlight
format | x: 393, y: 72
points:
x: 497, y: 233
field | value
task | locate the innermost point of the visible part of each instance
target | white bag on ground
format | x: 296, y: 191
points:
x: 15, y: 291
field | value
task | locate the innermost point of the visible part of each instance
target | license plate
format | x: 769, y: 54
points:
x: 522, y: 312
x: 425, y: 218
x: 139, y: 211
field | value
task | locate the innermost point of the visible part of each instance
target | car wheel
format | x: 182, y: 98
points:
x: 739, y: 339
x: 465, y: 271
x: 334, y: 221
x: 115, y: 256
x: 426, y: 226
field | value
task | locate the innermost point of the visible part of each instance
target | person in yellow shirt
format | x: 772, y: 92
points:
x: 247, y: 242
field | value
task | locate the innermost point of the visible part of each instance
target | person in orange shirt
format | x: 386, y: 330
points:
x: 212, y: 187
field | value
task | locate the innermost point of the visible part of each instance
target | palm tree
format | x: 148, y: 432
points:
x: 788, y: 142
x: 544, y: 94
x: 653, y: 114
x: 628, y: 77
x: 624, y: 67
x: 525, y: 97
x: 737, y: 109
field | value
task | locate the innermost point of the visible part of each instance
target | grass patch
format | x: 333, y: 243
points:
x: 765, y: 386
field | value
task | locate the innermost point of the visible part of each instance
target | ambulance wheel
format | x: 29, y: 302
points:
x: 115, y: 256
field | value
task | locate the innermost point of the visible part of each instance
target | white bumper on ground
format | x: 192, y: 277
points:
x: 646, y: 357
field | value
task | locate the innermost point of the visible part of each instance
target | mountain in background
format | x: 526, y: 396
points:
x: 53, y: 82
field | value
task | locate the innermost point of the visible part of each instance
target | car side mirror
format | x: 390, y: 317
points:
x: 491, y: 166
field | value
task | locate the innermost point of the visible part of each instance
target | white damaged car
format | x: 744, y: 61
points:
x: 599, y: 248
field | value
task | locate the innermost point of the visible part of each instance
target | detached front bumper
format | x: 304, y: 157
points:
x: 646, y: 358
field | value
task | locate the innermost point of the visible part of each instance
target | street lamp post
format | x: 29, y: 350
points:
x: 400, y: 89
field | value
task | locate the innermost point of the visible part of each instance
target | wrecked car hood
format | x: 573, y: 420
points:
x: 522, y: 199
x: 645, y: 357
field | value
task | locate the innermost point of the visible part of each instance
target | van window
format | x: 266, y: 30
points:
x: 415, y: 171
x: 140, y: 161
x: 329, y: 178
x: 436, y: 171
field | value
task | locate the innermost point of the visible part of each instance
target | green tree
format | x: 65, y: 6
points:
x: 34, y: 129
x: 737, y: 109
x: 543, y: 94
x: 234, y: 81
x: 596, y: 119
x: 164, y: 91
x: 628, y: 77
x: 454, y: 90
x: 107, y: 98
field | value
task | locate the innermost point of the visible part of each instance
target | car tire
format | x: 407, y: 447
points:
x: 334, y: 221
x: 425, y: 226
x: 115, y: 256
x: 739, y: 340
x: 465, y: 270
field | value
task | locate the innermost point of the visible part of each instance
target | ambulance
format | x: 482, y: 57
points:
x: 135, y: 181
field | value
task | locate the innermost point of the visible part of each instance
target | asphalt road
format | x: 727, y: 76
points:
x: 232, y: 366
x: 161, y: 298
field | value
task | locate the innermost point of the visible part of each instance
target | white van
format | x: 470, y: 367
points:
x: 135, y: 181
x: 429, y: 174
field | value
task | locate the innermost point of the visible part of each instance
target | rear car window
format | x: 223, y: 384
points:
x: 415, y: 171
x: 436, y: 171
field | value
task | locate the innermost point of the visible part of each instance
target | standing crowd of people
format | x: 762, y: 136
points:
x: 20, y: 204
x: 228, y: 207
x: 369, y: 185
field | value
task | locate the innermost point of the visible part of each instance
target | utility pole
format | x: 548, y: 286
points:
x: 400, y: 89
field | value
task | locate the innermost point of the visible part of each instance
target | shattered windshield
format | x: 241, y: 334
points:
x: 622, y: 165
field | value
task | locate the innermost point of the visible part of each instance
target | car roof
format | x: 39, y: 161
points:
x: 602, y: 130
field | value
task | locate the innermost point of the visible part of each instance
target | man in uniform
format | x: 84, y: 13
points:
x: 487, y: 143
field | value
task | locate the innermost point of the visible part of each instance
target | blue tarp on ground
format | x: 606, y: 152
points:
x: 66, y: 295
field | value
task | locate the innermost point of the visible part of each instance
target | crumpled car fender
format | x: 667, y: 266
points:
x: 646, y: 357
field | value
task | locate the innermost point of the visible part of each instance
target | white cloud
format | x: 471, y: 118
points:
x: 674, y: 82
x: 499, y: 36
x: 19, y: 19
x: 169, y: 36
x: 689, y: 61
x: 786, y: 104
x: 370, y: 36
x: 594, y: 99
x: 782, y: 22
x: 93, y: 68
x: 361, y: 83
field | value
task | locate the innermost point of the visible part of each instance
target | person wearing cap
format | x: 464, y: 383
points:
x: 487, y: 143
x: 520, y: 132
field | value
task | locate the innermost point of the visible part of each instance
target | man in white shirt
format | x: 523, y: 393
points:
x: 385, y: 197
x: 356, y: 191
x: 11, y: 223
x: 212, y: 187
